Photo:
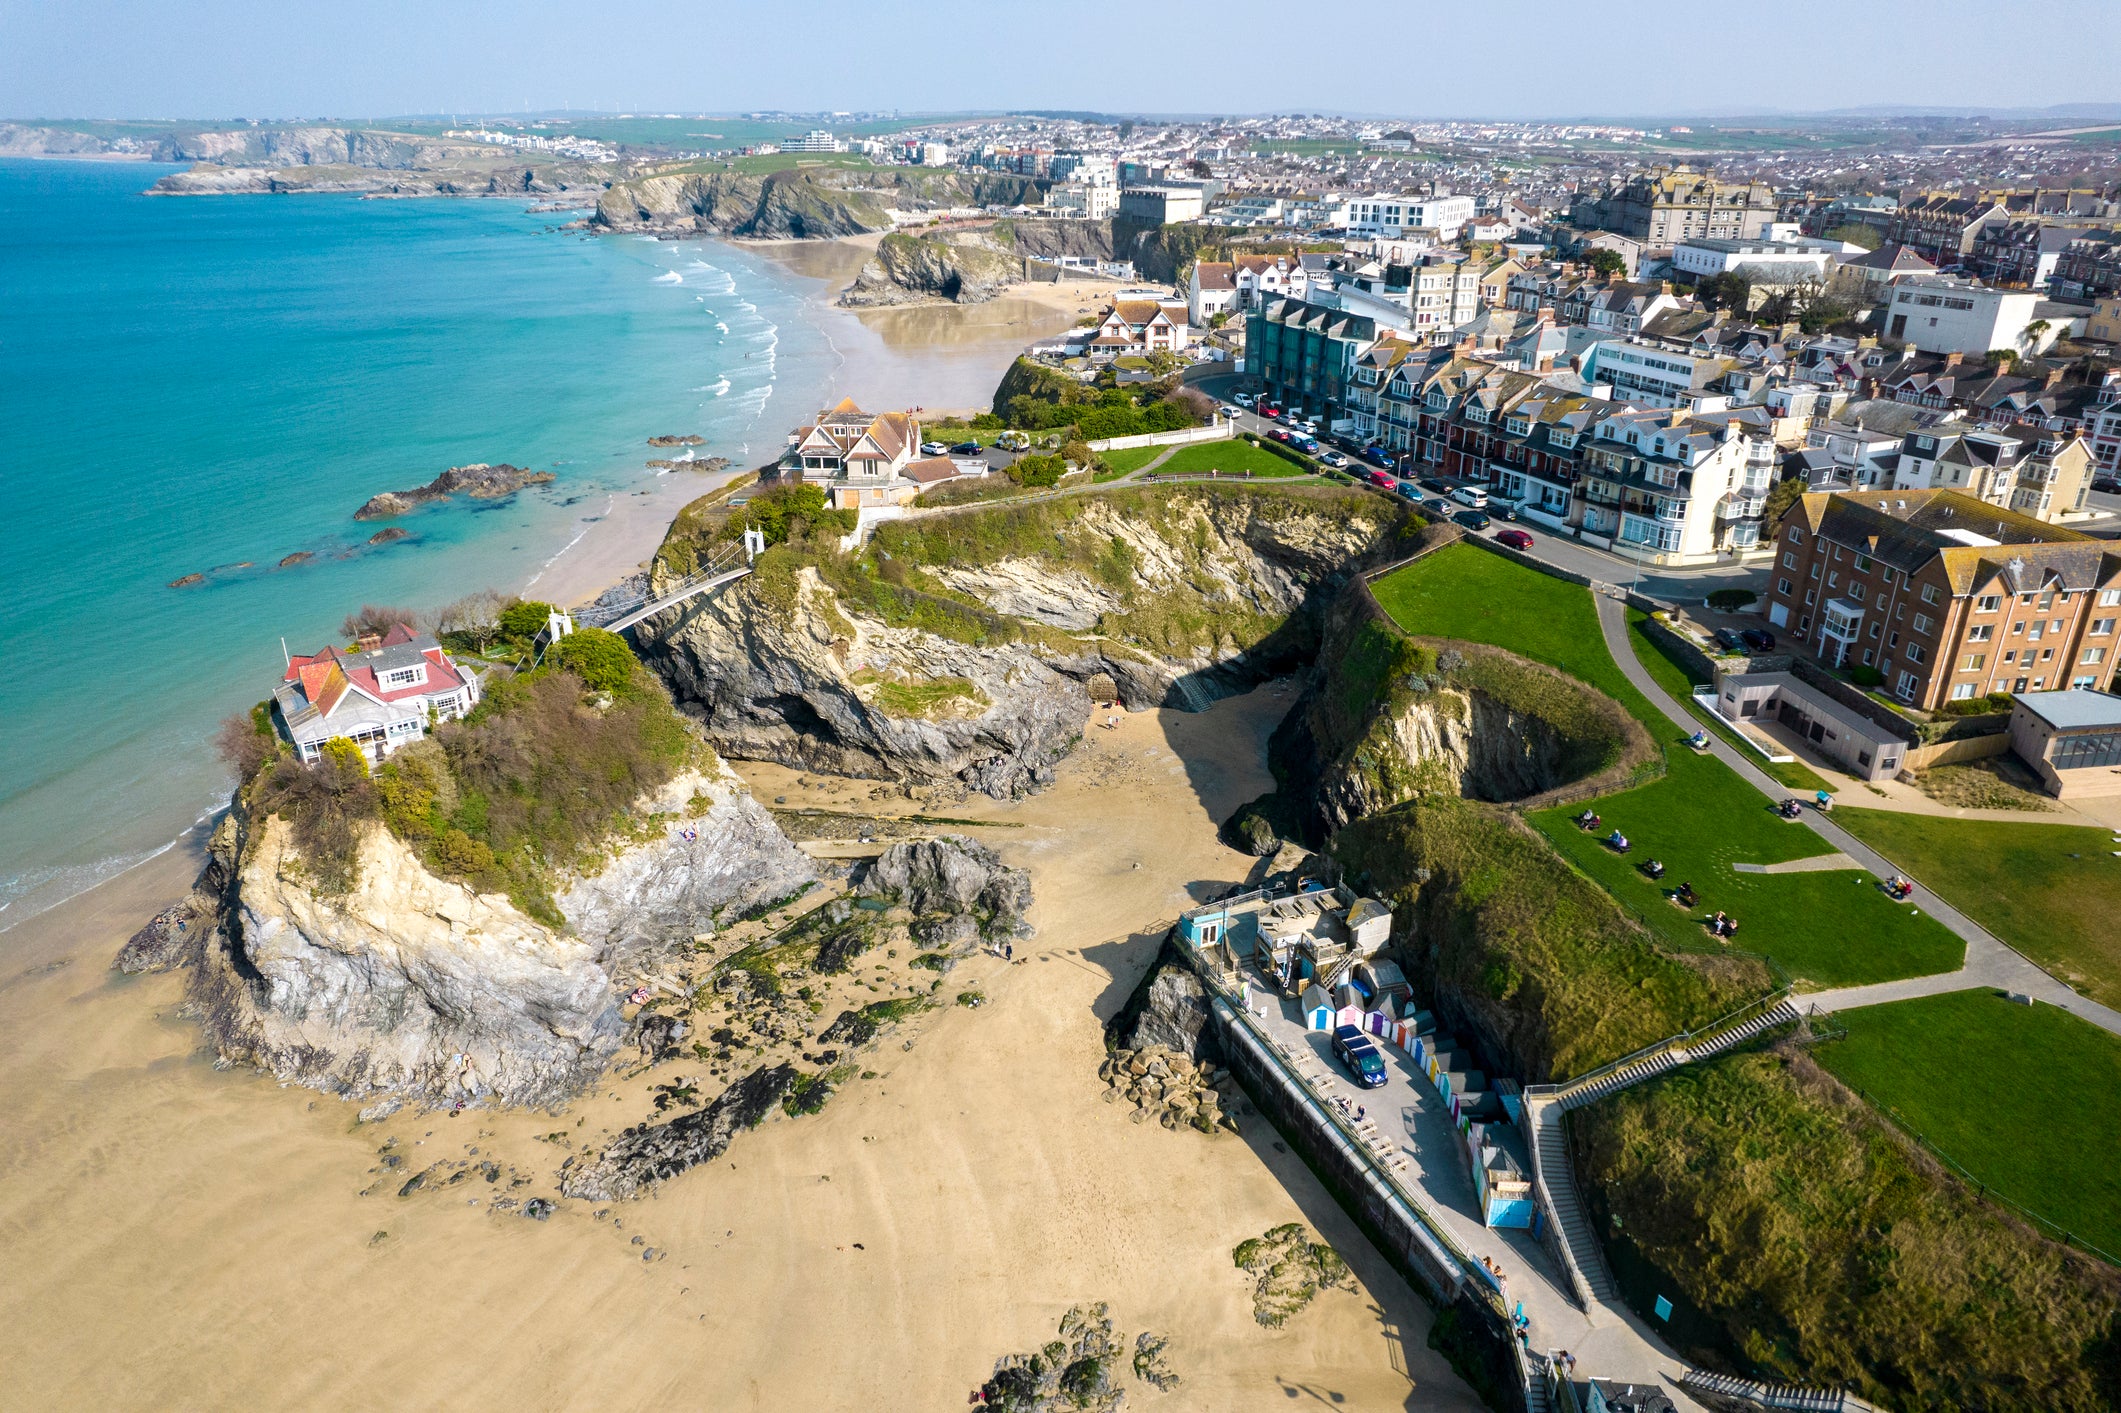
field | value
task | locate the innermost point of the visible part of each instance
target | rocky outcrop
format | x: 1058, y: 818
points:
x: 964, y: 269
x: 1168, y: 1009
x: 414, y: 985
x: 721, y: 855
x: 1161, y: 253
x: 952, y: 876
x: 318, y: 147
x: 817, y: 203
x: 649, y: 1154
x: 1080, y: 1372
x: 478, y: 480
x: 1165, y: 1086
x: 1176, y: 602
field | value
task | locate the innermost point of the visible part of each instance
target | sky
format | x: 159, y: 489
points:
x: 1415, y: 58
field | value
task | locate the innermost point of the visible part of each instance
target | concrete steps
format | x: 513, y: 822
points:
x: 1598, y: 1085
x: 1799, y: 1398
x: 1551, y: 1153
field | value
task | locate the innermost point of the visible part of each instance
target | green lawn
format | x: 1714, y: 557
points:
x: 1232, y: 458
x: 2053, y: 891
x: 2025, y: 1098
x: 1832, y: 929
x: 1675, y: 677
x: 1132, y: 458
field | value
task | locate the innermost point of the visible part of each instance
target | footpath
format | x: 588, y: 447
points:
x: 1990, y: 962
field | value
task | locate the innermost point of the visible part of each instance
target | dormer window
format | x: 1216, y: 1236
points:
x: 401, y: 677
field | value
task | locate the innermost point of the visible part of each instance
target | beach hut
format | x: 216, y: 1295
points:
x: 1499, y: 1180
x: 1384, y: 980
x: 1511, y: 1097
x: 1317, y: 1008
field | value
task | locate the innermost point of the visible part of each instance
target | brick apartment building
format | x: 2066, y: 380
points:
x: 1945, y: 595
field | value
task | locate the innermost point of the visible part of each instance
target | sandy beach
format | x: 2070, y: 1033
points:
x: 938, y: 357
x: 182, y: 1236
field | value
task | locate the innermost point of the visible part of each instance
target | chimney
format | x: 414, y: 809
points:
x: 2053, y: 378
x: 1952, y: 360
x: 369, y: 642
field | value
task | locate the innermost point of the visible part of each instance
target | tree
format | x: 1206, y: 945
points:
x: 1040, y: 470
x: 377, y: 619
x: 2002, y: 357
x: 1856, y: 233
x: 1606, y: 262
x: 475, y: 619
x: 245, y: 741
x: 1780, y: 497
x: 2032, y: 333
x: 602, y: 660
x: 1729, y: 290
x: 524, y: 619
x: 1198, y: 168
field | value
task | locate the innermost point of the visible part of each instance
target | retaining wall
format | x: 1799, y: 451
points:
x: 1217, y: 431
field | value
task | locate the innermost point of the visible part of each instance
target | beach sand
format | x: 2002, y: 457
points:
x: 182, y: 1236
x: 938, y: 357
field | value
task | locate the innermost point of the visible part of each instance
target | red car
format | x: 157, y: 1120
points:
x: 1515, y: 539
x: 1280, y: 434
x: 1385, y: 479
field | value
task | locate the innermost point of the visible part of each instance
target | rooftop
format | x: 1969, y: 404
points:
x: 2073, y: 710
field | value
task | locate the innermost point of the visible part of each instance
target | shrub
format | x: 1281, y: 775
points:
x: 457, y: 852
x: 325, y: 805
x: 790, y: 513
x: 377, y: 619
x: 1078, y: 451
x: 1866, y: 676
x: 524, y: 619
x: 602, y: 660
x: 1042, y: 469
x: 1732, y: 600
x: 243, y: 745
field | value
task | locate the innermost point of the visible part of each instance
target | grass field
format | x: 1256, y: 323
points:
x: 1232, y: 458
x: 1831, y: 929
x: 2025, y: 1098
x: 2053, y: 891
x: 1675, y: 677
x: 1132, y: 458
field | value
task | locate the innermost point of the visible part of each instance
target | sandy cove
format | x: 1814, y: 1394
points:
x: 935, y: 356
x: 184, y: 1236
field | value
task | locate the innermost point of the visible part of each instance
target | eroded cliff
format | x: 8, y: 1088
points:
x: 962, y: 647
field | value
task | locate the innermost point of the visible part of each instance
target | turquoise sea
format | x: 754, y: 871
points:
x: 193, y: 383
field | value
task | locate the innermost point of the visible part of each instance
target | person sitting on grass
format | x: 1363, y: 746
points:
x: 1654, y: 868
x: 1619, y: 841
x: 1684, y: 896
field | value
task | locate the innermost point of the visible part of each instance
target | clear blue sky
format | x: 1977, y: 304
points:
x: 1500, y: 58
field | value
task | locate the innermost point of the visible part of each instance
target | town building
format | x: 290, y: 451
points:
x: 1761, y: 261
x: 1941, y: 227
x: 1211, y: 290
x: 1945, y: 596
x: 2030, y: 470
x: 2089, y: 267
x: 1138, y: 327
x: 1390, y: 216
x: 1650, y: 375
x: 1162, y: 205
x: 857, y: 457
x: 1943, y: 314
x: 2071, y: 739
x: 382, y: 694
x: 1678, y: 487
x: 1668, y: 205
x: 1868, y: 280
x: 1306, y: 353
x: 1861, y: 746
x: 1089, y: 200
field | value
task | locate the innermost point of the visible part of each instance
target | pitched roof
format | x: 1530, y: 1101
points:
x: 1975, y: 541
x: 1213, y: 274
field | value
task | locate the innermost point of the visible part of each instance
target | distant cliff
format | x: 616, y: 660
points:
x: 804, y: 203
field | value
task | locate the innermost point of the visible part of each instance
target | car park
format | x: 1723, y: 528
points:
x: 1515, y: 539
x: 1472, y: 519
x: 1758, y: 639
x: 1356, y: 1051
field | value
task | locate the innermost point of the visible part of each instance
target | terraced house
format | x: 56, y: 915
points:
x: 1679, y: 487
x: 1945, y: 596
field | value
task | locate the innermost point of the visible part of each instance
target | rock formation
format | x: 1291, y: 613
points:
x: 1213, y: 600
x: 1168, y: 1087
x: 966, y: 269
x: 415, y: 985
x: 478, y: 480
x: 952, y: 877
x: 1080, y: 1372
x: 648, y: 1154
x: 816, y: 203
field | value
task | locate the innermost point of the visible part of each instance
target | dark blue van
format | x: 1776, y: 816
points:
x: 1353, y: 1049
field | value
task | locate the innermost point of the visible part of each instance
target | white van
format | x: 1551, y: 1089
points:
x: 1471, y: 495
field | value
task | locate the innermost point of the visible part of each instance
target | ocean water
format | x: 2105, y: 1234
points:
x: 191, y: 385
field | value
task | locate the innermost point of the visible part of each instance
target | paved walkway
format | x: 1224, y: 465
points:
x: 1989, y: 961
x: 1818, y: 863
x: 1429, y: 1158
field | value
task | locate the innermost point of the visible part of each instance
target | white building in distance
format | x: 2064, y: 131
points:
x: 1942, y: 314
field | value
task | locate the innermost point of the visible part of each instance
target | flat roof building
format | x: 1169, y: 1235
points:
x: 2071, y: 739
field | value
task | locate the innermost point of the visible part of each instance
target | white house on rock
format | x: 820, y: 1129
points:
x: 380, y: 695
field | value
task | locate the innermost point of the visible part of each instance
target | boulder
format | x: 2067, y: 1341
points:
x: 953, y: 875
x: 648, y: 1154
x: 172, y: 938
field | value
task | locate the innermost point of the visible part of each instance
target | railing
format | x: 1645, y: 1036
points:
x: 1684, y: 1040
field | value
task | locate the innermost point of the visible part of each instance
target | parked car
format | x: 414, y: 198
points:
x: 1758, y: 639
x: 1471, y: 495
x: 1472, y: 519
x: 1012, y: 441
x: 1729, y: 641
x: 934, y: 449
x: 1355, y: 1050
x: 1437, y: 484
x: 1335, y: 460
x: 1245, y: 400
x: 1279, y: 434
x: 1307, y: 445
x: 2107, y: 483
x: 1385, y: 479
x: 1406, y: 489
x: 1229, y: 410
x: 1515, y: 539
x: 1269, y: 409
x: 966, y: 449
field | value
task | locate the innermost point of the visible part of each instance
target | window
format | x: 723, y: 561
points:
x: 1868, y: 654
x: 1988, y: 603
x: 2092, y: 655
x: 1863, y: 564
x: 1906, y: 689
x: 1892, y: 642
x: 1974, y: 662
x: 2017, y: 629
x: 1782, y: 587
x: 2109, y: 597
x: 1962, y: 691
x: 2009, y: 658
x: 1856, y: 590
x: 2038, y: 631
x: 1915, y: 653
x: 1809, y: 596
x: 1815, y: 569
x: 2102, y: 626
x: 1833, y: 579
x: 1804, y: 624
x: 1980, y: 633
x: 1922, y: 623
x: 2047, y: 654
x: 1789, y: 560
x: 1929, y: 593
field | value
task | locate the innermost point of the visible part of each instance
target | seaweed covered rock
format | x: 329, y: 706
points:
x: 1081, y: 1371
x: 954, y: 876
x: 1288, y: 1269
x: 648, y: 1154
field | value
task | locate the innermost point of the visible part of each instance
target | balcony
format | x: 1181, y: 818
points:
x: 1842, y: 620
x: 1671, y: 512
x: 1740, y: 507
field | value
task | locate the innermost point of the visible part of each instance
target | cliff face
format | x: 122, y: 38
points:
x: 318, y: 147
x: 805, y: 203
x: 413, y: 984
x: 966, y: 269
x: 1178, y: 601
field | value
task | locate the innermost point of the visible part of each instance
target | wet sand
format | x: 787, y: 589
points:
x: 181, y: 1236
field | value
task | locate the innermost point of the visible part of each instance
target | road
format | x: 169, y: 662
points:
x: 1675, y: 584
x: 1989, y: 962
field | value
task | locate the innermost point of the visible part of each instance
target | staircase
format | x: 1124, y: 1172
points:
x: 1556, y: 1177
x: 1713, y: 1039
x: 728, y: 565
x: 1800, y: 1398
